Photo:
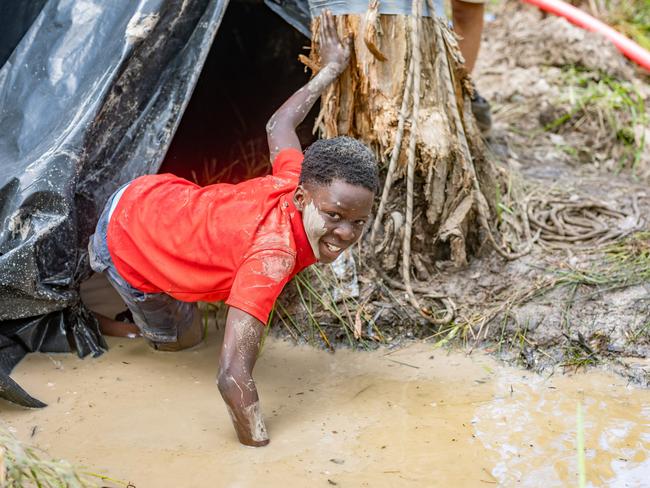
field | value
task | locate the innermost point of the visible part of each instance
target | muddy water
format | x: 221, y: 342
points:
x: 411, y: 417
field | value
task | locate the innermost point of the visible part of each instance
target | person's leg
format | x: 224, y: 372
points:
x: 168, y: 324
x: 116, y: 328
x: 468, y: 24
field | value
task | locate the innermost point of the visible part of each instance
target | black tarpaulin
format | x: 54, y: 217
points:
x: 90, y: 98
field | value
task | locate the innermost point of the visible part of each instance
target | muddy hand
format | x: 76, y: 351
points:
x: 249, y: 425
x: 332, y: 51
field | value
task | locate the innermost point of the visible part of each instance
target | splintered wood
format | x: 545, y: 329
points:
x: 406, y: 94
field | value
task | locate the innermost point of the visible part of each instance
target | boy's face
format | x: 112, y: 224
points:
x: 334, y: 216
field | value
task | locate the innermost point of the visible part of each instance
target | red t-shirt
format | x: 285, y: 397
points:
x: 239, y: 243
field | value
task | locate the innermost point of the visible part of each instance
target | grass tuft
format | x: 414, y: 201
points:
x: 24, y: 466
x: 623, y: 263
x: 617, y: 265
x: 611, y: 112
x: 632, y: 18
x: 317, y: 316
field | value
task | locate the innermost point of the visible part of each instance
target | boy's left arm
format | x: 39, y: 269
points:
x: 241, y: 343
x: 281, y: 127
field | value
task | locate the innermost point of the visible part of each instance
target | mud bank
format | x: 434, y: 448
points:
x: 407, y: 417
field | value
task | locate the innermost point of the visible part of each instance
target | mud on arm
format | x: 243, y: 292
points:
x: 281, y: 127
x: 241, y: 344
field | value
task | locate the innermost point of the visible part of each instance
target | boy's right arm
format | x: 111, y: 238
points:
x: 241, y: 344
x: 281, y: 127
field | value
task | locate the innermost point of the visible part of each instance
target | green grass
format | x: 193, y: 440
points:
x: 641, y: 331
x: 617, y: 265
x: 502, y: 201
x: 607, y: 107
x: 632, y: 18
x: 623, y: 263
x: 577, y: 354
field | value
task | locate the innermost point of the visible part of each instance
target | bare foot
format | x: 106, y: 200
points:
x: 115, y: 328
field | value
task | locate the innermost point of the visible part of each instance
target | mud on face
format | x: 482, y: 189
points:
x: 334, y: 215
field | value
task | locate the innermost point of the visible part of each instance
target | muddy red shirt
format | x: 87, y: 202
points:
x: 238, y: 243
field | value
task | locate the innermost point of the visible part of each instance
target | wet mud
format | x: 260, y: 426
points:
x: 415, y: 416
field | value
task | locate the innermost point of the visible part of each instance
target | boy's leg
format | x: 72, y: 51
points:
x: 116, y: 328
x: 468, y: 24
x: 168, y: 324
x: 189, y: 337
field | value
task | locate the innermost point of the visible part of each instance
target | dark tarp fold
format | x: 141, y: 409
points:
x: 90, y: 98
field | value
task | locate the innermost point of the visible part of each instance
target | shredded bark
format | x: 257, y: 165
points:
x: 407, y: 95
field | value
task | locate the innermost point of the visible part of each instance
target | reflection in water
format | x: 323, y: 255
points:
x: 531, y: 423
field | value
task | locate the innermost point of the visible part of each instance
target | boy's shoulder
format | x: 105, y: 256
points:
x: 288, y: 164
x: 276, y: 229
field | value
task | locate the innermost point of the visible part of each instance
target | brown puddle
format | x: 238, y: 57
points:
x: 413, y: 417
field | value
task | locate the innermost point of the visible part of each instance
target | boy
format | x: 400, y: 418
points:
x: 164, y: 242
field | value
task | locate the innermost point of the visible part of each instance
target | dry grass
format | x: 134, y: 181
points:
x: 23, y: 466
x: 613, y: 266
x: 248, y: 160
x: 312, y: 312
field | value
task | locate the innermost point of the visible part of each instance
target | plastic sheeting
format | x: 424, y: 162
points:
x: 298, y: 13
x: 295, y: 12
x: 89, y: 99
x: 360, y: 7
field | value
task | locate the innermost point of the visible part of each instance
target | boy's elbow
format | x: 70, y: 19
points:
x: 280, y: 124
x: 231, y: 383
x: 225, y: 381
x: 271, y: 125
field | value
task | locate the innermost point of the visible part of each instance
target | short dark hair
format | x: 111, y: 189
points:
x: 342, y: 158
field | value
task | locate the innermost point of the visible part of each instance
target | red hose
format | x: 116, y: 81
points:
x: 628, y: 47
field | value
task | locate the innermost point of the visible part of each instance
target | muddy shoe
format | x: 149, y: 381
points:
x: 482, y: 113
x: 190, y: 337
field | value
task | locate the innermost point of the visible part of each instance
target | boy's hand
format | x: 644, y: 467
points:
x: 281, y: 127
x: 249, y: 425
x: 241, y: 342
x: 332, y: 51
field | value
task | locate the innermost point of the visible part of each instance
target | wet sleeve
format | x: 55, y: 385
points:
x: 288, y: 163
x: 259, y: 281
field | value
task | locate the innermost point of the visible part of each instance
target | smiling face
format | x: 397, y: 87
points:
x: 334, y: 216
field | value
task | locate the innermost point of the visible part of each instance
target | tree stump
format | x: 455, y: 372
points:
x: 406, y: 94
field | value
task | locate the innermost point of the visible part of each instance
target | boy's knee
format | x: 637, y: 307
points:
x: 186, y: 337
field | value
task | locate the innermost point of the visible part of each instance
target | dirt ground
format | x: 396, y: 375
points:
x: 527, y: 70
x: 406, y: 416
